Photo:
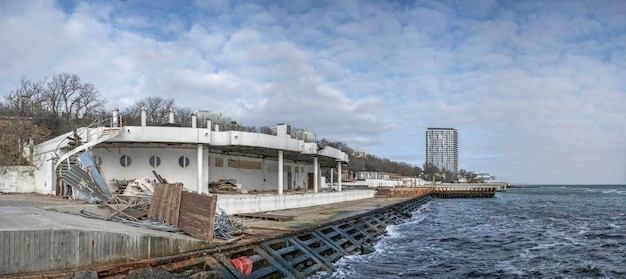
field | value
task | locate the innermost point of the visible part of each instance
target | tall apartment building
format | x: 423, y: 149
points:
x: 442, y: 148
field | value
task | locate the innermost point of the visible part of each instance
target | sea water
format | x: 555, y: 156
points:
x: 542, y: 232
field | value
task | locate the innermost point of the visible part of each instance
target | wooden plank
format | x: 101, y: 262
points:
x: 176, y: 202
x: 165, y: 203
x: 155, y: 202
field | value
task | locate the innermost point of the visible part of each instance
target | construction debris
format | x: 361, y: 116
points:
x: 159, y: 178
x: 139, y: 187
x: 228, y: 229
x: 225, y: 186
x: 171, y: 208
x: 133, y: 212
x: 90, y: 167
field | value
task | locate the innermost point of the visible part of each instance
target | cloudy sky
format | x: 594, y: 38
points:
x: 536, y: 89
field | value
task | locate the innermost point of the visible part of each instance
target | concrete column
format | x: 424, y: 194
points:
x: 200, y: 167
x: 143, y: 116
x: 297, y: 174
x: 280, y: 172
x: 339, y: 176
x: 217, y: 127
x: 208, y: 123
x: 194, y: 120
x: 331, y: 176
x: 115, y: 120
x: 171, y: 116
x: 315, y: 174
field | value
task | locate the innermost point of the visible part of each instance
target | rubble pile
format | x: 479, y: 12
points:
x: 225, y: 186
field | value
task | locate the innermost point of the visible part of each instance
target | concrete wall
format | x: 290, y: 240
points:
x: 49, y: 250
x: 233, y: 204
x: 36, y: 240
x: 261, y: 176
x: 17, y: 179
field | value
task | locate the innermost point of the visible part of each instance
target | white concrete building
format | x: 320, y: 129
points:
x: 374, y: 179
x: 195, y: 156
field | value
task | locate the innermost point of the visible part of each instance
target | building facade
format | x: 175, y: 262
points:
x: 442, y: 148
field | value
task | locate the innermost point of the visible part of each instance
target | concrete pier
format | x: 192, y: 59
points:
x: 35, y: 238
x: 38, y: 240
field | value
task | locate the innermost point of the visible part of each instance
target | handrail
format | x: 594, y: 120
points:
x: 99, y: 126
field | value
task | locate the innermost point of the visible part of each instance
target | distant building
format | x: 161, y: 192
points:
x: 442, y: 148
x: 358, y: 154
x: 485, y: 177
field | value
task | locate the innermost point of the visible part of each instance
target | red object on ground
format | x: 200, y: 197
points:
x: 243, y: 264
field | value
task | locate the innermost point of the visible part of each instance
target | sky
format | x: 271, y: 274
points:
x: 536, y: 89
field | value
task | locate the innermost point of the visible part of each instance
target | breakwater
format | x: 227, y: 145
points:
x: 296, y: 255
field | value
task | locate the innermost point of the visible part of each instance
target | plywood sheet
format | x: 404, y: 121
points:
x: 165, y: 204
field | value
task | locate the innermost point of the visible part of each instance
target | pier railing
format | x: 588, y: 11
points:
x: 464, y: 192
x: 445, y: 192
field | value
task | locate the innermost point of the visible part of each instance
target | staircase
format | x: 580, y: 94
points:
x: 82, y: 140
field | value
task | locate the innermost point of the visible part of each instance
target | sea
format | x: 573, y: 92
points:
x: 540, y: 232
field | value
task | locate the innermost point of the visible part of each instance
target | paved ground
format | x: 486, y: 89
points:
x: 41, y: 212
x: 35, y: 200
x: 42, y: 215
x: 317, y: 215
x: 26, y: 211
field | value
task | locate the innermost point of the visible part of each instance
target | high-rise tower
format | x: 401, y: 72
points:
x: 442, y: 148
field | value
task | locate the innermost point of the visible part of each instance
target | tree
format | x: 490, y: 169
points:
x: 157, y: 111
x: 265, y: 130
x: 184, y: 116
x: 431, y: 171
x: 32, y: 112
x: 17, y: 128
x: 73, y: 100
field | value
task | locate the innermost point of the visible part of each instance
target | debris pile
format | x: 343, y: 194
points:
x: 137, y: 187
x: 132, y: 212
x: 86, y: 181
x: 227, y: 228
x: 170, y: 208
x: 225, y: 186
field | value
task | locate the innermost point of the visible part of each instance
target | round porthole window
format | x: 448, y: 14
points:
x: 125, y: 161
x: 183, y: 161
x: 155, y: 161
